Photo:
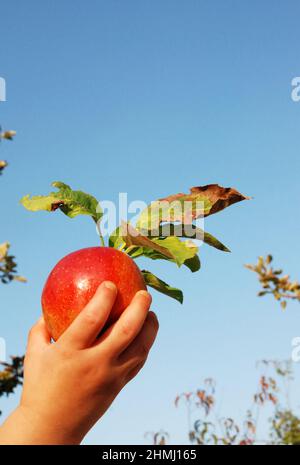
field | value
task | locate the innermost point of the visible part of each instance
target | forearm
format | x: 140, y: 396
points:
x: 22, y: 427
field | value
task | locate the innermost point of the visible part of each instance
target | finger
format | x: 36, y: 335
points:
x: 139, y: 349
x: 119, y: 336
x: 132, y: 374
x: 39, y: 335
x: 84, y: 330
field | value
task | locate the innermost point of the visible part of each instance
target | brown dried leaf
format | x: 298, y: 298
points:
x: 219, y: 197
x: 133, y: 237
x: 202, y: 201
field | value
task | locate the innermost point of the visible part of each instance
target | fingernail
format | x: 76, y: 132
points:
x: 110, y: 285
x: 144, y: 293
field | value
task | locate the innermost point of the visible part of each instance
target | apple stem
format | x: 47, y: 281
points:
x: 130, y: 248
x: 99, y: 232
x: 123, y: 246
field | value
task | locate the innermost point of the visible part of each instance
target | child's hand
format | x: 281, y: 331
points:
x: 70, y: 384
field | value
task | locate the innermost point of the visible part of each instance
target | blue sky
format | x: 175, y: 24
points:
x: 151, y: 98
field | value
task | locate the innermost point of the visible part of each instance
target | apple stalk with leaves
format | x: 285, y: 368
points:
x: 164, y: 230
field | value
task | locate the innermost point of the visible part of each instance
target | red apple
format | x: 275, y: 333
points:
x: 75, y: 278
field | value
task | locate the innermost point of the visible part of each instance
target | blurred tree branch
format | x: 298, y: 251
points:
x: 12, y: 375
x: 8, y: 266
x: 8, y: 135
x: 274, y: 282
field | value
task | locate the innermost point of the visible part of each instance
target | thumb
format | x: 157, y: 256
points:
x: 39, y: 335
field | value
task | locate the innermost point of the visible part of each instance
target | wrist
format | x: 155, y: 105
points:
x: 25, y: 426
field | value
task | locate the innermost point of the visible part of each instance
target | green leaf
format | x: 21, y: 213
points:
x: 133, y: 238
x: 36, y: 203
x: 172, y: 210
x: 168, y: 248
x: 160, y: 286
x: 188, y: 231
x: 180, y: 250
x: 115, y: 239
x: 71, y: 203
x: 209, y: 239
x: 193, y: 263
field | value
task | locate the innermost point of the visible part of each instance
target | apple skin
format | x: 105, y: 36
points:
x: 75, y: 279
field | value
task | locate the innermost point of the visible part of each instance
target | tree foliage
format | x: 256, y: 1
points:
x: 285, y: 428
x: 205, y: 425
